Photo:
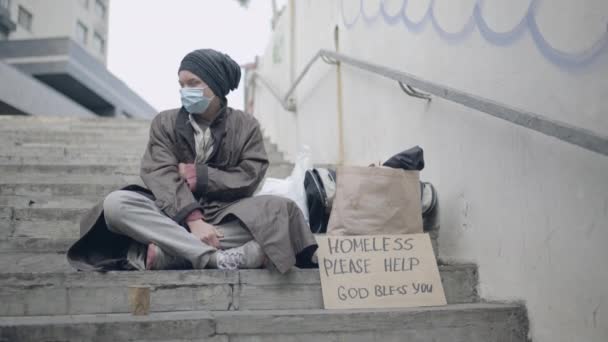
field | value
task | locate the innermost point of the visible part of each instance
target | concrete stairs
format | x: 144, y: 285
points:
x: 53, y: 169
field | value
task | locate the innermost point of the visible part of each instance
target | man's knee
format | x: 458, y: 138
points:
x: 289, y: 204
x: 114, y: 207
x: 285, y: 205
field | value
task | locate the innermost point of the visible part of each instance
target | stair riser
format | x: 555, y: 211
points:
x: 73, y: 136
x: 64, y: 141
x: 35, y: 191
x: 480, y: 325
x: 60, y: 172
x: 63, y: 160
x: 63, y: 170
x: 78, y: 150
x: 94, y: 147
x: 84, y: 293
x: 54, y: 224
x: 31, y: 190
x: 88, y: 158
x: 63, y: 179
x: 68, y: 139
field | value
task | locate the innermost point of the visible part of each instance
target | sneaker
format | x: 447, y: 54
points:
x: 428, y: 198
x: 249, y: 255
x: 157, y: 259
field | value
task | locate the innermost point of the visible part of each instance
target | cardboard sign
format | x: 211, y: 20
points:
x: 379, y: 271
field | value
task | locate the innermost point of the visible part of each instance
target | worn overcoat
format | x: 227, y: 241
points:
x: 225, y: 184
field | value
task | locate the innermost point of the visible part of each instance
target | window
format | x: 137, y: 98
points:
x: 5, y: 4
x: 99, y: 43
x: 25, y: 18
x: 81, y: 33
x: 100, y: 9
x: 84, y: 3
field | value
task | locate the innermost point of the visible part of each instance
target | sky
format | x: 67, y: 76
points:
x: 148, y: 39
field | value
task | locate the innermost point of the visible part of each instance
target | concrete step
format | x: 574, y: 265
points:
x: 49, y: 223
x: 51, y: 202
x: 69, y: 126
x: 34, y: 245
x: 57, y: 238
x: 97, y: 156
x: 12, y: 159
x: 53, y: 244
x: 64, y: 120
x: 44, y: 135
x: 15, y: 191
x: 69, y: 292
x: 66, y: 170
x: 78, y: 147
x: 46, y: 191
x: 480, y: 322
x: 26, y: 138
x: 45, y: 178
x: 24, y: 254
x: 89, y: 145
x: 35, y: 262
x: 73, y: 151
x: 50, y: 243
x: 52, y: 223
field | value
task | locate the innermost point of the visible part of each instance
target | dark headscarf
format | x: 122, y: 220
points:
x: 217, y: 69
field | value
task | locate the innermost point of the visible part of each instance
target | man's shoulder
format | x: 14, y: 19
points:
x: 242, y: 117
x: 169, y: 113
x: 166, y: 116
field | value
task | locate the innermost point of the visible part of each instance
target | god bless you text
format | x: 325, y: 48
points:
x: 353, y: 293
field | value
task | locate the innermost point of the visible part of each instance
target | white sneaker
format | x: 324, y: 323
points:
x: 428, y: 198
x: 249, y: 255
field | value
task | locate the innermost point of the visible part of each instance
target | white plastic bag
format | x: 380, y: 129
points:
x: 291, y: 187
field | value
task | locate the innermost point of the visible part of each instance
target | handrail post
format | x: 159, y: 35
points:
x: 339, y: 100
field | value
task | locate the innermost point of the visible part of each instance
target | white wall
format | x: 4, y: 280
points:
x: 58, y: 18
x: 530, y: 210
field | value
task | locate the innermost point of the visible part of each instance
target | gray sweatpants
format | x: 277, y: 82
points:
x: 136, y: 216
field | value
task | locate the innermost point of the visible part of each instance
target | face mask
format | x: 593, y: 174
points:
x: 194, y: 100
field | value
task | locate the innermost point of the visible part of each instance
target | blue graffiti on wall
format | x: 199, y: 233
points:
x: 528, y: 23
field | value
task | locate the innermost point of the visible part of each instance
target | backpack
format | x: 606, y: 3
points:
x: 320, y: 188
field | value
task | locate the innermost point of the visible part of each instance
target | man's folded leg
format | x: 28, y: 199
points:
x: 237, y: 250
x: 136, y: 216
x: 160, y: 243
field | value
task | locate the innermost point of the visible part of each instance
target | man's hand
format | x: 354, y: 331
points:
x: 205, y: 232
x: 188, y: 172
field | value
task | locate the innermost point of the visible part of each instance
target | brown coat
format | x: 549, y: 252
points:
x: 225, y: 184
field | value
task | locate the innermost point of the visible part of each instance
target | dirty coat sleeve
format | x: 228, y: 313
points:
x: 240, y: 181
x: 160, y: 174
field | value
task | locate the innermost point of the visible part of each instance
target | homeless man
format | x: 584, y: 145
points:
x: 202, y: 164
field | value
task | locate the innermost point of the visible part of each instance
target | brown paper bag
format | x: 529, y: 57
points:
x: 376, y: 200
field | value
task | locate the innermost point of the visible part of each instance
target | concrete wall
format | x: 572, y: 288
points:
x: 58, y: 18
x: 530, y: 210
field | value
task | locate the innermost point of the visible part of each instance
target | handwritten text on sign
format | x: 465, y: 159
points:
x: 379, y: 271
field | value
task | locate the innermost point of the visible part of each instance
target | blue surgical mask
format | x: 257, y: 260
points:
x: 194, y: 100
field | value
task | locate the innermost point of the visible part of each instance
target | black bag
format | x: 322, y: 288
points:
x: 412, y: 159
x: 320, y: 187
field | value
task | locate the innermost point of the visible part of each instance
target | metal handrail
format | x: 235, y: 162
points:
x: 574, y: 135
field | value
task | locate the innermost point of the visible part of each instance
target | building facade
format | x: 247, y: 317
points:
x: 84, y: 21
x: 61, y: 44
